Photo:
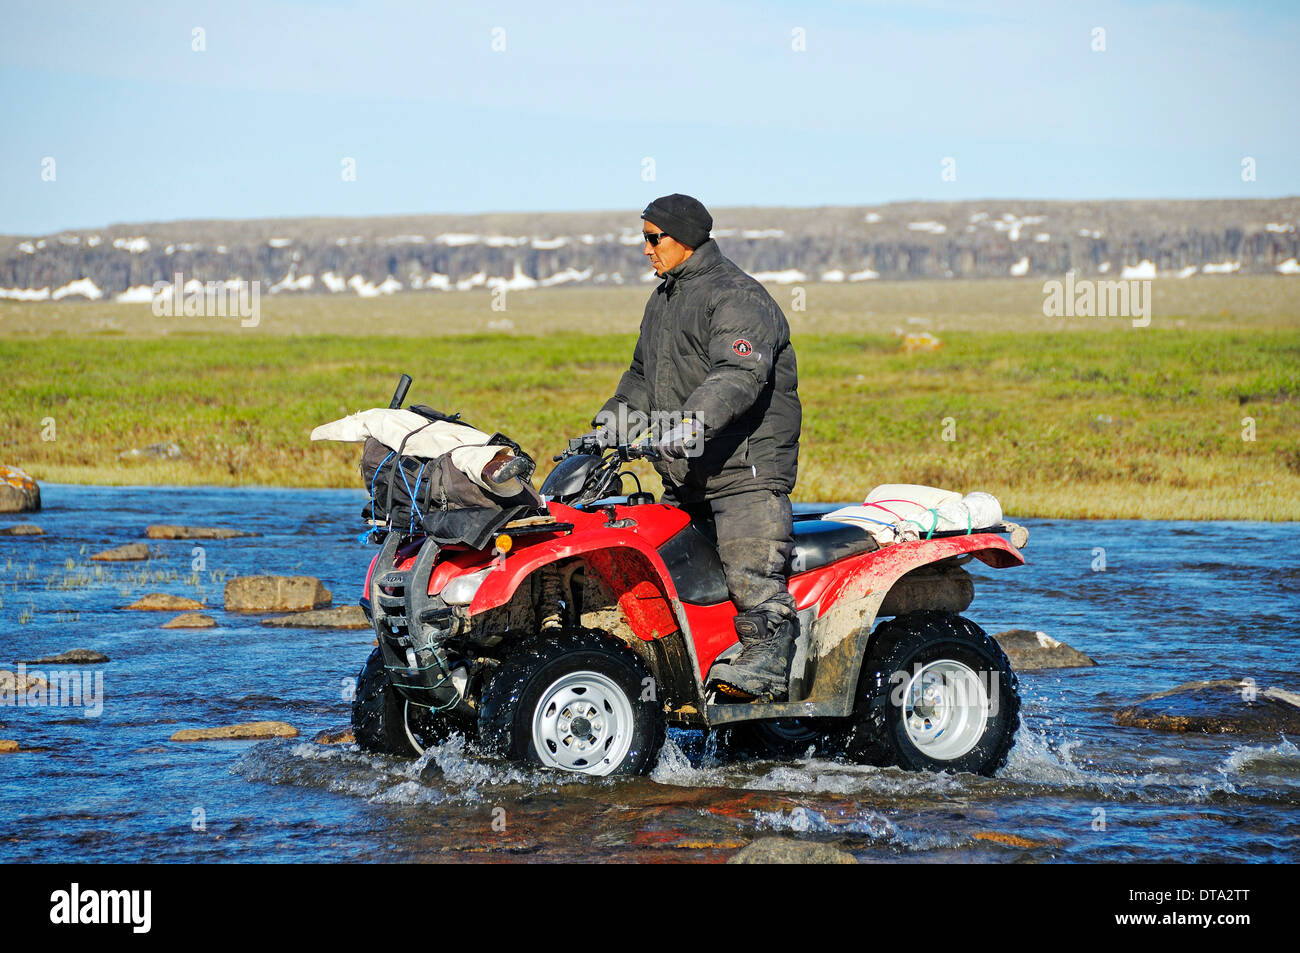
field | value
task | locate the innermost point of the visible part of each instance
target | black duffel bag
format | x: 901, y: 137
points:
x: 412, y: 495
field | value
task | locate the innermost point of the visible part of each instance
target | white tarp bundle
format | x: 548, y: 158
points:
x: 469, y: 448
x: 898, y: 512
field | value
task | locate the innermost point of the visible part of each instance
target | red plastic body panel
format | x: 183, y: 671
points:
x: 627, y: 559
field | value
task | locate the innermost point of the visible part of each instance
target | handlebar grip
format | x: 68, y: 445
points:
x: 399, y: 395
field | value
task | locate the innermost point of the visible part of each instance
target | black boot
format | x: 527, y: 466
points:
x: 763, y: 666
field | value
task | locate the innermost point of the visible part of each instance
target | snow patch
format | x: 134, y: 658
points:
x: 1226, y: 268
x: 333, y: 282
x: 566, y: 276
x: 787, y: 276
x: 866, y: 274
x: 1188, y: 271
x: 139, y: 294
x: 934, y: 228
x: 1020, y: 268
x: 133, y: 245
x: 516, y: 282
x: 25, y: 294
x: 279, y: 242
x: 1139, y: 272
x: 834, y: 275
x: 1289, y: 267
x: 82, y: 286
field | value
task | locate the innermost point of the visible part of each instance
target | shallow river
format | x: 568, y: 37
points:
x: 1175, y: 602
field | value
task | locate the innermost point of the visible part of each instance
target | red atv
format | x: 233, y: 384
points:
x: 571, y: 638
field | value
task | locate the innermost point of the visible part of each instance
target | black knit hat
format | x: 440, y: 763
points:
x: 682, y: 217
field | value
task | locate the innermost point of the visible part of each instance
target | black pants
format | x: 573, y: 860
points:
x: 754, y: 533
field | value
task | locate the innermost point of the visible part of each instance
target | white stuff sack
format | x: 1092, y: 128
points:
x: 900, y: 512
x: 468, y: 447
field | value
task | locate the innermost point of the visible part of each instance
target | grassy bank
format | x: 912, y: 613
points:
x: 1105, y: 422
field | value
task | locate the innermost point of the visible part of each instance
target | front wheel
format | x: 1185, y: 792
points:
x: 581, y: 701
x: 386, y: 723
x: 935, y: 694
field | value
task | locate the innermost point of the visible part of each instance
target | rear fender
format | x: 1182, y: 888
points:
x: 848, y: 607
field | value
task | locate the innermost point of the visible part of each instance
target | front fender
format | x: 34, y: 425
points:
x: 622, y: 559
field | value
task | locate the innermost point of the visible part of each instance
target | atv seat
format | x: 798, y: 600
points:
x: 818, y: 542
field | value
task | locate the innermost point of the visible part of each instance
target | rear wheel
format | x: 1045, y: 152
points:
x: 386, y: 723
x: 581, y: 702
x: 935, y: 694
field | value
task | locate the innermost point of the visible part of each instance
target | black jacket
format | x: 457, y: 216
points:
x: 714, y: 343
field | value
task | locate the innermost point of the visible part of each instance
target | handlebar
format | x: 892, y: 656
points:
x: 637, y: 450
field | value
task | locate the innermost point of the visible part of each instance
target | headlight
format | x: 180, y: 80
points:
x: 460, y: 591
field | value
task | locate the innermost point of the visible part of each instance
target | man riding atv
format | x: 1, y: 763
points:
x: 714, y: 359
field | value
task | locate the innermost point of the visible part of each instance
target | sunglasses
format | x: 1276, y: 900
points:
x: 654, y: 238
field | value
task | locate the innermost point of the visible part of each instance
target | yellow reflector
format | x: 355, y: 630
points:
x: 504, y: 543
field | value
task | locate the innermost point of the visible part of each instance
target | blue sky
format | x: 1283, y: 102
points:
x: 144, y: 128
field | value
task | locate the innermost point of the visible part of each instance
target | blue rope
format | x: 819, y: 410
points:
x: 415, y: 507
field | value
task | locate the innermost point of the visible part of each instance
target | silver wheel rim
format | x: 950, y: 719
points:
x: 583, y: 722
x: 945, y: 709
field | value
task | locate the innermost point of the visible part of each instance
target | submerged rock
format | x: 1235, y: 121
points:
x: 163, y: 531
x: 18, y: 492
x: 70, y: 657
x: 335, y: 736
x: 190, y: 620
x: 1224, y: 706
x: 22, y: 529
x: 1029, y: 651
x: 128, y: 553
x: 786, y: 850
x: 275, y: 594
x: 340, y: 617
x: 247, y: 731
x: 163, y: 602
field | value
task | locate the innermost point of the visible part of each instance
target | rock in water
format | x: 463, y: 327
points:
x: 335, y: 736
x: 786, y: 850
x: 340, y: 617
x: 251, y: 730
x: 1226, y: 706
x: 12, y: 685
x: 122, y: 554
x: 1029, y: 651
x: 18, y: 492
x: 22, y: 529
x: 275, y: 594
x: 7, y: 746
x: 70, y: 657
x: 163, y: 602
x: 190, y: 620
x: 162, y: 531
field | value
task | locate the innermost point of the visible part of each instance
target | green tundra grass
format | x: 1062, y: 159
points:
x: 1196, y: 416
